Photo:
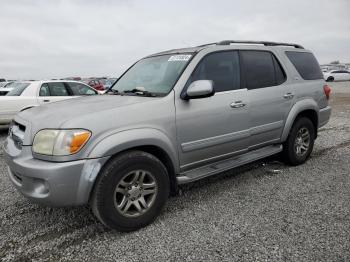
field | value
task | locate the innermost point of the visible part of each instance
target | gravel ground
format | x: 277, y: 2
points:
x: 264, y: 211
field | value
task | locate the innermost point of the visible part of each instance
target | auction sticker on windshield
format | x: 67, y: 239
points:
x: 179, y: 58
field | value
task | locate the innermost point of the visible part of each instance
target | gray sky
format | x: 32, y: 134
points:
x: 48, y: 39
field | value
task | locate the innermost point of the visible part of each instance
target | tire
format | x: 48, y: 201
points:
x: 123, y: 182
x: 302, y: 135
x: 330, y: 79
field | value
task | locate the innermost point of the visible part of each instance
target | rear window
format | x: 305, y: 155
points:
x: 306, y: 65
x: 18, y: 88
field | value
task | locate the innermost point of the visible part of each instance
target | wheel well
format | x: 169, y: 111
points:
x: 163, y: 157
x: 166, y: 160
x: 29, y: 107
x: 312, y: 115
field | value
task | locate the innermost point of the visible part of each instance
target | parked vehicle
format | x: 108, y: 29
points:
x: 172, y: 118
x: 5, y: 87
x: 107, y: 83
x: 3, y: 84
x: 96, y: 84
x: 337, y: 75
x: 27, y: 94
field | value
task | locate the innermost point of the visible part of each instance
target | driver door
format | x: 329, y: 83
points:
x: 213, y: 128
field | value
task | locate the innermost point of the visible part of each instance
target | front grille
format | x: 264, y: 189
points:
x: 16, y: 132
x: 20, y: 126
x: 17, y: 177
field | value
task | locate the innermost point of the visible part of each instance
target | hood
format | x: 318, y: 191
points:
x: 54, y: 115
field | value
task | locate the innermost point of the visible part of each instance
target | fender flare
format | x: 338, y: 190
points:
x: 132, y: 138
x: 298, y: 107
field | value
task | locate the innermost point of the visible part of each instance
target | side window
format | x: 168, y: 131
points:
x: 259, y: 69
x: 222, y: 68
x: 44, y: 90
x: 81, y: 89
x: 306, y: 65
x: 58, y: 89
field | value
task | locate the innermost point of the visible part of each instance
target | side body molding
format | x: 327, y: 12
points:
x: 132, y: 138
x: 298, y: 107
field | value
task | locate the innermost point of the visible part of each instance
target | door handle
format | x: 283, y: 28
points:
x: 237, y: 104
x: 46, y: 100
x: 288, y: 96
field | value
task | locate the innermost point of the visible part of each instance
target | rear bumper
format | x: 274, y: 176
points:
x: 51, y: 183
x: 324, y: 116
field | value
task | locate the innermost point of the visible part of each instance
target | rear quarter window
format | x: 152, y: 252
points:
x: 306, y: 65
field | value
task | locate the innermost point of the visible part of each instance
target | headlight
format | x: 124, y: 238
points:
x: 60, y: 142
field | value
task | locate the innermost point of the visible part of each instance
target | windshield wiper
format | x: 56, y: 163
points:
x: 114, y: 92
x: 139, y: 91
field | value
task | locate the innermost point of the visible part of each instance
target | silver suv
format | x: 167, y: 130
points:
x: 172, y: 118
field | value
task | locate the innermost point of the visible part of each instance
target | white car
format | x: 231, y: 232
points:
x: 337, y: 75
x: 28, y: 94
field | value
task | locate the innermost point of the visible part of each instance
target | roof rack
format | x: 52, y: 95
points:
x: 265, y: 43
x: 228, y: 42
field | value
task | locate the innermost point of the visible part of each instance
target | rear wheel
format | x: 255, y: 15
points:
x: 330, y: 79
x: 300, y: 142
x: 131, y: 191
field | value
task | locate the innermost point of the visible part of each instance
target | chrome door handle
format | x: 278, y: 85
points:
x: 288, y: 96
x: 237, y: 104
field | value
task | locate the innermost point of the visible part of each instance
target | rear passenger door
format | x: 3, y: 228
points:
x: 270, y: 99
x: 53, y: 91
x: 213, y: 128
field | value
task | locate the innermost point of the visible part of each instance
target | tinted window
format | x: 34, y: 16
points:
x: 306, y: 65
x: 18, y: 89
x: 222, y: 68
x: 259, y: 69
x: 80, y: 89
x: 58, y: 89
x: 44, y: 90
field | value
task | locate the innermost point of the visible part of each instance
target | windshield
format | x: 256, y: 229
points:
x: 18, y: 88
x: 155, y: 75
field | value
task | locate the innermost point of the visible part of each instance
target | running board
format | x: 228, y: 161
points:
x: 227, y: 164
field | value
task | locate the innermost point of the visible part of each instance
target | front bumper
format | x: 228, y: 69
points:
x: 51, y: 183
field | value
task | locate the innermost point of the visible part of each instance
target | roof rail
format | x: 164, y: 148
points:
x: 266, y: 43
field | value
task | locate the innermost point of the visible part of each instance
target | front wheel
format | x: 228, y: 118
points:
x: 300, y: 142
x: 131, y: 191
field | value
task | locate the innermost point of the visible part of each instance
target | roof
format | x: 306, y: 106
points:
x: 225, y: 43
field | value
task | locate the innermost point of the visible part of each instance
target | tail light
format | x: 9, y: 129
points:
x: 327, y: 91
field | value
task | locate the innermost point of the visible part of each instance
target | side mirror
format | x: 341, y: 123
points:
x: 199, y: 89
